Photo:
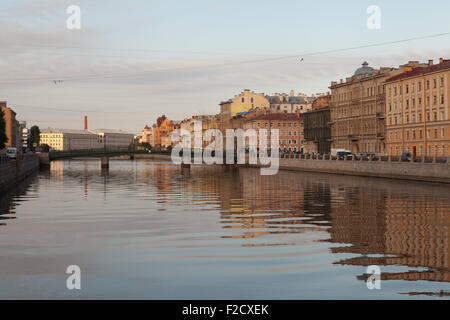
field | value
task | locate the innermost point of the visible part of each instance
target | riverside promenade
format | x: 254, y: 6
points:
x: 13, y: 171
x: 421, y: 169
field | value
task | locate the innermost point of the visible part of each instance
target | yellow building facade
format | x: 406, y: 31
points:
x: 418, y: 111
x: 244, y: 102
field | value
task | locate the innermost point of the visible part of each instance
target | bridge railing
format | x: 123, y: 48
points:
x: 428, y: 159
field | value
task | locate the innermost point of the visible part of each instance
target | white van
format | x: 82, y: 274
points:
x: 334, y: 152
x: 11, y: 152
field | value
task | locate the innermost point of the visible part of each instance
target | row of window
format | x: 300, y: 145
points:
x: 396, y: 120
x: 368, y: 92
x: 411, y: 88
x: 419, y: 100
x: 438, y: 150
x: 283, y: 142
x: 431, y: 133
x: 289, y: 125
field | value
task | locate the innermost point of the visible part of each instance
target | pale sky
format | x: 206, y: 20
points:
x: 134, y: 60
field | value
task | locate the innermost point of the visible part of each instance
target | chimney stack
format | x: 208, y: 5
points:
x: 441, y: 60
x: 430, y: 62
x: 85, y: 123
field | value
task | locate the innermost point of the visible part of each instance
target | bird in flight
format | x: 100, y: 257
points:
x: 301, y: 60
x: 58, y: 81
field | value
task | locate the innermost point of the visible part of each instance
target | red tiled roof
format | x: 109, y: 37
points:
x: 146, y: 127
x: 421, y: 70
x: 160, y: 120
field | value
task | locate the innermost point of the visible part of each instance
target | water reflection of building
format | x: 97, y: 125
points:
x: 417, y: 231
x: 395, y: 223
x: 369, y: 221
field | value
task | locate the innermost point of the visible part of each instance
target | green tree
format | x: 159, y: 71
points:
x: 34, y: 139
x: 3, y: 136
x: 45, y: 147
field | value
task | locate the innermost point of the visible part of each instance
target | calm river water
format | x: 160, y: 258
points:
x: 148, y: 230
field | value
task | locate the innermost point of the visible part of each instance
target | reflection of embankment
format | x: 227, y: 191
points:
x: 7, y: 199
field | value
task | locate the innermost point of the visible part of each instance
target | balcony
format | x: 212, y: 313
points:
x: 353, y: 137
x: 380, y: 115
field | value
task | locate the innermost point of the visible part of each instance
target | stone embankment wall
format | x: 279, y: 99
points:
x: 13, y: 171
x: 420, y: 171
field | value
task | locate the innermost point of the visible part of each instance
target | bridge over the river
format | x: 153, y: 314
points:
x: 103, y: 153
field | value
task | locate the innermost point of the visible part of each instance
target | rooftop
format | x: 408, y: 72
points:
x: 443, y: 65
x: 365, y: 69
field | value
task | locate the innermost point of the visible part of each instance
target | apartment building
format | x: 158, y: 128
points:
x: 418, y: 111
x: 357, y: 110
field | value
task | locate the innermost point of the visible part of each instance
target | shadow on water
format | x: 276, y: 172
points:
x: 10, y: 199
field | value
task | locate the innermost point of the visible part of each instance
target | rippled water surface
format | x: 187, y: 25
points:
x: 149, y: 230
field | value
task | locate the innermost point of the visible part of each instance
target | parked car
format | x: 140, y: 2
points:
x: 364, y: 156
x: 344, y: 154
x: 406, y: 156
x: 11, y: 152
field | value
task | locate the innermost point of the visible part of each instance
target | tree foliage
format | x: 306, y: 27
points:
x: 34, y: 138
x: 3, y: 136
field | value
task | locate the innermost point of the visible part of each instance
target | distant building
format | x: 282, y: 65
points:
x: 13, y: 129
x: 289, y: 125
x: 25, y: 133
x: 244, y: 102
x: 110, y: 138
x: 69, y: 139
x: 289, y: 103
x: 316, y: 127
x: 147, y: 135
x: 163, y: 131
x: 357, y: 110
x: 418, y: 110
